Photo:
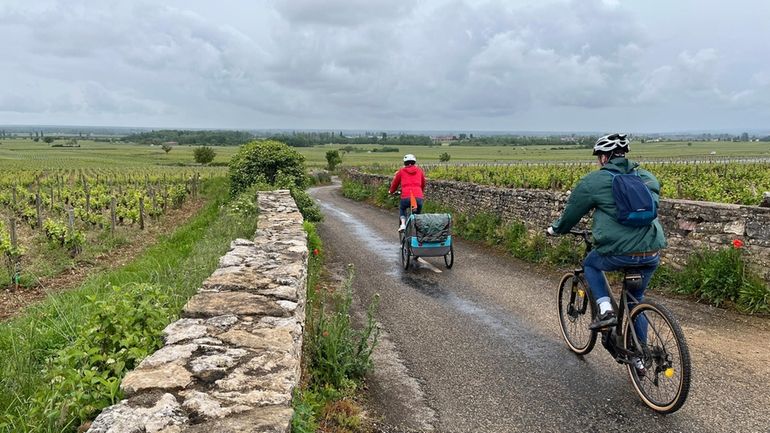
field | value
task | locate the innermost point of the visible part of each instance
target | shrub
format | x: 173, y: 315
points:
x: 204, y: 154
x: 356, y: 190
x: 320, y: 177
x: 265, y: 160
x: 384, y: 199
x: 721, y: 276
x: 333, y: 159
x: 340, y: 356
x: 307, y: 206
x: 85, y: 375
x: 478, y: 227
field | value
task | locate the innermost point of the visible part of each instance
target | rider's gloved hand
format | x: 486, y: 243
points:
x: 550, y: 231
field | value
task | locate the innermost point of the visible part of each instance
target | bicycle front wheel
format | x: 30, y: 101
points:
x: 665, y: 382
x: 576, y: 310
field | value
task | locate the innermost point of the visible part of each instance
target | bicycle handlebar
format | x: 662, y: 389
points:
x: 586, y: 235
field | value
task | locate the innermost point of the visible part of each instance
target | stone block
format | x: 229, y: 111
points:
x: 166, y: 415
x: 169, y: 377
x: 205, y: 305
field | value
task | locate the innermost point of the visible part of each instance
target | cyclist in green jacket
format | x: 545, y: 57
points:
x: 616, y: 245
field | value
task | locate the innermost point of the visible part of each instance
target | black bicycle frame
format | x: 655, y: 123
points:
x: 622, y: 309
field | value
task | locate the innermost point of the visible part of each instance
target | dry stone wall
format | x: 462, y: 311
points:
x: 231, y: 363
x: 689, y: 225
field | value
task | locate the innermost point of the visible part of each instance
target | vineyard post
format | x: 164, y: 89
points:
x: 154, y: 198
x: 71, y: 218
x: 165, y: 198
x: 14, y: 238
x: 88, y: 197
x: 141, y: 212
x: 14, y: 196
x: 38, y: 210
x: 112, y: 215
x: 52, y: 200
x: 14, y: 258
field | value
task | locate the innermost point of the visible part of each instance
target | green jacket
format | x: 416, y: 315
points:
x: 594, y: 192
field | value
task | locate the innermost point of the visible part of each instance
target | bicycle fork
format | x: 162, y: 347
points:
x: 578, y: 298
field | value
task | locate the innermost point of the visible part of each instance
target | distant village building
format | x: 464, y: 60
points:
x: 443, y: 138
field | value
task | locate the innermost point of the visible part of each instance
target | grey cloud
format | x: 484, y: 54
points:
x: 378, y: 61
x: 344, y: 13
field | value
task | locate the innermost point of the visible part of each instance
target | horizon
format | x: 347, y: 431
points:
x: 427, y: 131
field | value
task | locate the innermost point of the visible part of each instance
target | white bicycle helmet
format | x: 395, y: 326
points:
x: 409, y: 157
x: 611, y: 142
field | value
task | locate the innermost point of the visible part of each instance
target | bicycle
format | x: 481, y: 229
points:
x: 412, y: 247
x: 663, y: 350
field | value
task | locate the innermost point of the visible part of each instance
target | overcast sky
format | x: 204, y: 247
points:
x: 556, y: 65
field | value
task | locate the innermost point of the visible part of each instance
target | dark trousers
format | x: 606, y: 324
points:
x: 404, y: 205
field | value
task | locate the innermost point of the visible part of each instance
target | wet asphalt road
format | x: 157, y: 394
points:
x: 483, y: 343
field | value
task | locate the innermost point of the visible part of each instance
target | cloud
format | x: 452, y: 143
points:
x: 349, y: 62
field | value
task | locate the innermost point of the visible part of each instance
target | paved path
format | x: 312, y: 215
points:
x: 477, y: 348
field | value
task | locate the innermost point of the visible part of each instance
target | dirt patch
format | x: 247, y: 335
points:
x: 13, y: 300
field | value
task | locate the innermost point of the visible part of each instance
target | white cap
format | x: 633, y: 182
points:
x: 409, y: 157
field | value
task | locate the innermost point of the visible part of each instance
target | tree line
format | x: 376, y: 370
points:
x: 191, y: 138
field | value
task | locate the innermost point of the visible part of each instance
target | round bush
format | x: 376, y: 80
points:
x: 263, y: 161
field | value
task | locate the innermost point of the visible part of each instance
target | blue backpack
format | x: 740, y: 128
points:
x: 633, y: 199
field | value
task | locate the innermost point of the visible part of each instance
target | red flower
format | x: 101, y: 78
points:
x: 315, y: 251
x: 737, y: 243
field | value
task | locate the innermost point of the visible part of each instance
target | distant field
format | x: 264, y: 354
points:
x: 24, y: 153
x: 316, y: 156
x: 27, y: 154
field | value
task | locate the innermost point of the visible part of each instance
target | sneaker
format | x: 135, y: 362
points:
x: 604, y: 320
x: 638, y: 364
x: 402, y: 227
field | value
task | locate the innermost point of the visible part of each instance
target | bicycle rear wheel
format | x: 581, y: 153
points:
x: 406, y: 252
x: 666, y: 382
x: 576, y: 310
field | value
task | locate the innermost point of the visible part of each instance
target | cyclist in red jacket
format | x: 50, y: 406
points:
x: 412, y: 181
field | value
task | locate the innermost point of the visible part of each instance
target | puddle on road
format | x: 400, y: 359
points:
x: 521, y: 335
x: 387, y: 248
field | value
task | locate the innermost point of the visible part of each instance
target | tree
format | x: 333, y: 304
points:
x: 333, y: 159
x: 264, y: 161
x: 444, y: 157
x: 745, y: 136
x: 204, y: 154
x: 48, y: 140
x: 166, y: 147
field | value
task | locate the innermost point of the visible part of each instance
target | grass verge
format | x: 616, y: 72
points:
x: 63, y: 359
x: 336, y: 355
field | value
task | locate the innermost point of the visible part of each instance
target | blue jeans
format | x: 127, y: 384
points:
x: 595, y: 265
x: 404, y: 205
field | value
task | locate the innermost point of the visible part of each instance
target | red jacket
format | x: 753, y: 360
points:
x: 412, y: 180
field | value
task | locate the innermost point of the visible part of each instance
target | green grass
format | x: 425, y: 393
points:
x: 178, y: 264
